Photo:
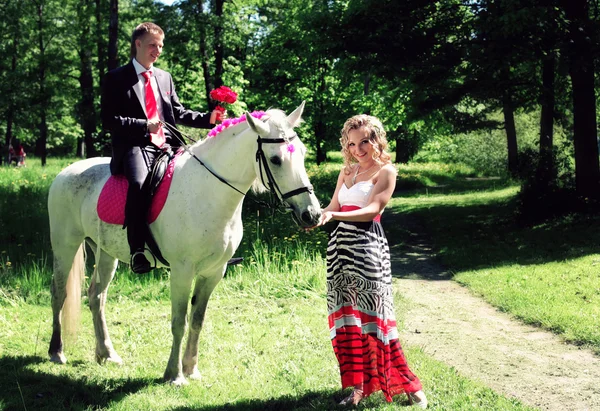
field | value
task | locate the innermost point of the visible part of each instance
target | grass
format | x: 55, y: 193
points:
x: 545, y: 275
x: 265, y: 342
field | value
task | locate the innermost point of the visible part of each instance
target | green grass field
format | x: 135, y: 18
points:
x: 265, y: 342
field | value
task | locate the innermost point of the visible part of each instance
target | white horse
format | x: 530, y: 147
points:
x: 198, y: 230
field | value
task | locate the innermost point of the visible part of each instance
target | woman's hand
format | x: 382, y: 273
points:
x: 326, y: 216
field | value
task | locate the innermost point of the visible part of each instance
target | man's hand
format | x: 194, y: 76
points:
x: 154, y: 126
x: 217, y: 116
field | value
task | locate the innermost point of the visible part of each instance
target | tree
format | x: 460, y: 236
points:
x: 9, y: 86
x: 583, y: 37
x: 87, y: 109
x: 113, y: 35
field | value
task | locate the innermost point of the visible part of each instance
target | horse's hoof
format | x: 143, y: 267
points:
x: 179, y: 381
x: 194, y: 375
x: 58, y: 358
x: 110, y: 359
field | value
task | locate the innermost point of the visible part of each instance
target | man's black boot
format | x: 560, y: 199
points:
x: 139, y: 263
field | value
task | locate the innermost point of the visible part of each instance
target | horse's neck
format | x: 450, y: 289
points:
x: 230, y: 155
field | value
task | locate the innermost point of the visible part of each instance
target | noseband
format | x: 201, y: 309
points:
x: 272, y: 184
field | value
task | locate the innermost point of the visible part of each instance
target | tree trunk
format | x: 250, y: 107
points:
x: 321, y: 113
x: 41, y: 143
x: 86, y: 81
x: 100, y: 44
x: 219, y: 43
x: 581, y: 71
x: 545, y: 170
x: 511, y: 134
x: 11, y: 108
x: 366, y: 84
x: 399, y: 146
x: 113, y: 35
x: 10, y: 112
x: 208, y: 84
x: 40, y: 148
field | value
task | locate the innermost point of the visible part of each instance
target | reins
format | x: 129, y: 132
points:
x: 262, y: 163
x: 186, y: 147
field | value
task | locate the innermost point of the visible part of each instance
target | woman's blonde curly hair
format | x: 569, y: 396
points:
x: 377, y: 138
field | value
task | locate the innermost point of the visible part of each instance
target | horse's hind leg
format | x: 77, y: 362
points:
x: 97, y: 293
x: 202, y: 291
x: 69, y: 266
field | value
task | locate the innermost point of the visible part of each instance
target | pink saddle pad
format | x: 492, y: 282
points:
x: 111, y: 203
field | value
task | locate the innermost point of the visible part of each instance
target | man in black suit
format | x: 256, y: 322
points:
x: 135, y: 98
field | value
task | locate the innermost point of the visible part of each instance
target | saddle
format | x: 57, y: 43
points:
x: 111, y: 203
x: 159, y: 169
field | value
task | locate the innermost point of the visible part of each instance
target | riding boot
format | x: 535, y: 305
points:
x: 137, y: 163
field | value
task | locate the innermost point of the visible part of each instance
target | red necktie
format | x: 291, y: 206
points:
x: 157, y: 139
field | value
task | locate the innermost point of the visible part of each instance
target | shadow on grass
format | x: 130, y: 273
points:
x: 321, y: 400
x: 446, y: 184
x: 411, y: 251
x: 324, y: 400
x: 24, y: 388
x: 470, y: 236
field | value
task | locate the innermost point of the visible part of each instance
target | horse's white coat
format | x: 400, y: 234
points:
x: 198, y: 230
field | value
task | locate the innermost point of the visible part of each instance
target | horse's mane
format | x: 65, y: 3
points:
x: 275, y: 118
x: 232, y: 122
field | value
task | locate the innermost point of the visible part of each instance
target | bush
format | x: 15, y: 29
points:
x: 547, y: 190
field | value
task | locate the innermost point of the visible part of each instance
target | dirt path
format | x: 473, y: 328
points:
x: 463, y: 331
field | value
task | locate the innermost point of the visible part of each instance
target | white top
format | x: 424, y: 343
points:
x: 357, y: 195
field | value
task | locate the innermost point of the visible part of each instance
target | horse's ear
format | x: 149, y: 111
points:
x: 260, y: 127
x: 295, y: 117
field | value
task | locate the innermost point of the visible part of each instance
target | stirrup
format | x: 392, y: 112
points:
x: 143, y: 252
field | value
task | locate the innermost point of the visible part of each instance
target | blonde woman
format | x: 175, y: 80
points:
x: 359, y: 279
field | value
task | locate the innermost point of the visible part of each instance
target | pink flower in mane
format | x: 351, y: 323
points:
x: 232, y: 122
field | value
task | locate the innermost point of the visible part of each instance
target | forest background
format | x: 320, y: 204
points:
x: 465, y: 89
x: 504, y: 86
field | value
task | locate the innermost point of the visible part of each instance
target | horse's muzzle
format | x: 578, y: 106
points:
x: 308, y: 218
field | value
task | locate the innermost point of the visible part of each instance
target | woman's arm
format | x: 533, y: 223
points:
x: 334, y: 204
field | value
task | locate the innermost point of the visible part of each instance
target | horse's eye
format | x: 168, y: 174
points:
x: 276, y: 160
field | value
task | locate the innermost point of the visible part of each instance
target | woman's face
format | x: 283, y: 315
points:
x: 360, y: 146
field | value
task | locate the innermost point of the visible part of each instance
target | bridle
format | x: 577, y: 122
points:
x: 262, y: 161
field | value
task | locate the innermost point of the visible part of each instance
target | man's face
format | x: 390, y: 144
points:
x: 148, y: 49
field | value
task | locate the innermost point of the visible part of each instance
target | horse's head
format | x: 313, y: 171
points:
x: 280, y: 163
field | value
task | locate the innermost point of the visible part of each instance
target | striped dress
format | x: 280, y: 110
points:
x: 360, y: 304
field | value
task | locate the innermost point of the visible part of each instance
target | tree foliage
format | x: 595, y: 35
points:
x: 426, y: 68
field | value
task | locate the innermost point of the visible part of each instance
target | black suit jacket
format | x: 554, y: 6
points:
x: 124, y: 114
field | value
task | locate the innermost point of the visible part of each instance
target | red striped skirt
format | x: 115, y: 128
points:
x: 361, y: 311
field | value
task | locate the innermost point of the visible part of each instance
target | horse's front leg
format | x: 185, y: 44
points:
x: 97, y: 293
x: 181, y: 283
x: 202, y: 291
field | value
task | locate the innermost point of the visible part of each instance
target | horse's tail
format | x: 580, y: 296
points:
x: 71, y: 312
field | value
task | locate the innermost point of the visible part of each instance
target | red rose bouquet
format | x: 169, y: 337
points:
x: 223, y: 95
